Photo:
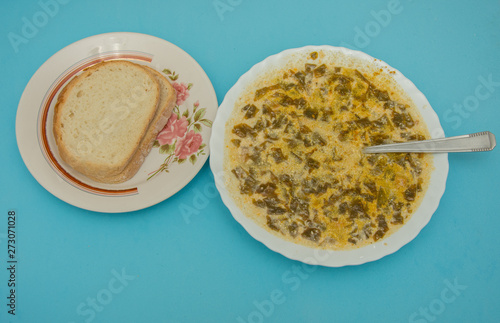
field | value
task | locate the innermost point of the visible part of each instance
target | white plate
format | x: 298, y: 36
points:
x: 34, y: 123
x: 319, y: 256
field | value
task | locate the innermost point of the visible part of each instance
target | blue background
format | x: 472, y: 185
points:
x: 203, y: 266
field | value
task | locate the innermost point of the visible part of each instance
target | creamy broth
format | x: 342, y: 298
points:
x: 294, y: 154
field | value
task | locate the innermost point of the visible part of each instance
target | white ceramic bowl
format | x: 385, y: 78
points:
x: 323, y: 257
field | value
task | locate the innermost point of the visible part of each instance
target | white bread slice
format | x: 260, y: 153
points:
x: 102, y: 115
x: 168, y: 97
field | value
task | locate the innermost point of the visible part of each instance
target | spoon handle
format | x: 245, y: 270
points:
x: 480, y: 141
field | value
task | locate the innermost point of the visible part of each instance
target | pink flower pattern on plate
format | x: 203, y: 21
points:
x: 181, y: 140
x: 188, y: 145
x: 175, y: 128
x: 182, y: 92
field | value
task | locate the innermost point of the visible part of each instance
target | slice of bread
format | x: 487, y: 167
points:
x: 168, y: 98
x: 102, y: 116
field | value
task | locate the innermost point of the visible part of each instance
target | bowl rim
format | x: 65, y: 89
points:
x: 316, y: 256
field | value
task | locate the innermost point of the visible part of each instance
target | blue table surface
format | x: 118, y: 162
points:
x: 162, y: 265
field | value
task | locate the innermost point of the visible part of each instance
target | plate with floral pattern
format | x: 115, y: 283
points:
x: 180, y: 149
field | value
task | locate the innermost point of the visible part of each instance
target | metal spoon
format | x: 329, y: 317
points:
x: 480, y: 141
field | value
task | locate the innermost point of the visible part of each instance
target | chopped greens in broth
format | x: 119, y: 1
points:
x: 294, y: 153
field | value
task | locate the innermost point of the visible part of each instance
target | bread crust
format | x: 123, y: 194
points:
x: 166, y: 106
x: 87, y: 167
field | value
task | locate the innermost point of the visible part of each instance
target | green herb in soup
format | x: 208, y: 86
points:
x: 294, y: 152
